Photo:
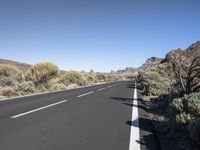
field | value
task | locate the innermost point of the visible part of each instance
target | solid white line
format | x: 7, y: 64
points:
x: 28, y: 112
x: 101, y: 89
x: 85, y: 94
x: 135, y: 131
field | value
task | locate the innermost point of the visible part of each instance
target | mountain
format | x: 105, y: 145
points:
x: 19, y: 65
x: 129, y: 71
x: 194, y: 48
x: 150, y: 63
x: 189, y: 53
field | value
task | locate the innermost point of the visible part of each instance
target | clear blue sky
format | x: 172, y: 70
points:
x: 96, y: 34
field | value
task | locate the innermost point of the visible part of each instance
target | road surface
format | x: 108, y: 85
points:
x: 101, y: 117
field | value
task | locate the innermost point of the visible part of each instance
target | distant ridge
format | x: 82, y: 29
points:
x: 19, y: 65
x: 129, y: 71
x: 190, y: 53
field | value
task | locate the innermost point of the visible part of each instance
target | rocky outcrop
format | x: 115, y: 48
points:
x: 151, y: 63
x: 172, y: 54
x: 190, y: 53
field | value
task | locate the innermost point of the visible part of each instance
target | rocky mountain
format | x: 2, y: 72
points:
x: 194, y: 48
x: 190, y: 53
x: 129, y: 71
x: 150, y: 63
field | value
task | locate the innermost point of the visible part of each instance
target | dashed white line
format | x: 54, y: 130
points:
x: 135, y: 131
x: 101, y: 89
x: 85, y: 94
x: 34, y: 110
x: 109, y: 86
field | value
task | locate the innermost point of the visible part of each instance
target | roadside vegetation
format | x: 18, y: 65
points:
x: 174, y: 91
x: 44, y: 77
x: 155, y: 81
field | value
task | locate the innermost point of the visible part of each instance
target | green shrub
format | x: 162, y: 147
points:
x: 90, y: 79
x: 64, y: 79
x: 42, y: 72
x: 154, y: 83
x: 185, y: 109
x: 25, y: 88
x: 10, y: 71
x: 72, y: 77
x: 158, y: 88
x: 58, y: 86
x: 52, y: 82
x: 153, y: 76
x: 194, y: 131
x: 101, y: 77
x: 183, y: 118
x: 164, y: 70
x: 192, y: 104
x: 176, y: 107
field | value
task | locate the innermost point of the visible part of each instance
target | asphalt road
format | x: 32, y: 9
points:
x: 90, y: 118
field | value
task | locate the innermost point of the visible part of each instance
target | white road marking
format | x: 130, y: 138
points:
x: 101, y: 89
x: 135, y: 131
x: 85, y: 94
x: 34, y: 110
x: 109, y: 86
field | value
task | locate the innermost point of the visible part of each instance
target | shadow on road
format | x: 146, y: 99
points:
x: 122, y: 99
x: 128, y: 102
x: 131, y: 86
x: 147, y: 136
x: 133, y: 123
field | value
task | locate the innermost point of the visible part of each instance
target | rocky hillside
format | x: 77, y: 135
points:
x: 151, y: 63
x: 191, y: 52
x: 131, y: 71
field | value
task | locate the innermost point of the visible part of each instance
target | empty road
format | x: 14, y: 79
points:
x: 102, y: 117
